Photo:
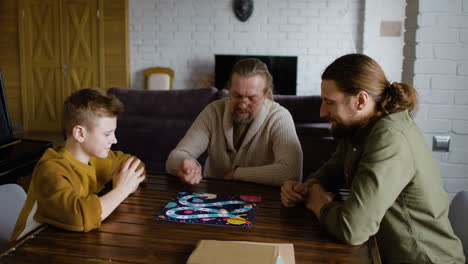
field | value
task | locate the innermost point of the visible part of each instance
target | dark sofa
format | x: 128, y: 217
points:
x: 154, y: 122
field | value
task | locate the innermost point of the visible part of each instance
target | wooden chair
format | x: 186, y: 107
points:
x: 158, y: 78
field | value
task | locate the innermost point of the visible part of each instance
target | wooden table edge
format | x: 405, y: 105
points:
x: 13, y: 245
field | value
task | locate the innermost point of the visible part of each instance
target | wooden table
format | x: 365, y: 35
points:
x: 131, y: 235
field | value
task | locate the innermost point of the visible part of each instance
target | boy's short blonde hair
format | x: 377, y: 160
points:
x: 84, y: 106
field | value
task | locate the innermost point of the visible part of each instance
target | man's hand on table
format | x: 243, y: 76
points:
x: 292, y: 193
x: 190, y: 171
x: 317, y: 197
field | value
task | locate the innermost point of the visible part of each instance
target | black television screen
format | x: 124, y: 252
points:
x: 282, y: 68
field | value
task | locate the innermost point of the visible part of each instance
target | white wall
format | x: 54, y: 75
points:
x: 185, y: 35
x: 386, y: 50
x: 440, y: 69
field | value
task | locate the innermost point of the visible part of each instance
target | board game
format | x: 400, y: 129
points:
x: 211, y: 209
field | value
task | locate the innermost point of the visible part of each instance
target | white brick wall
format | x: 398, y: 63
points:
x: 441, y: 78
x: 185, y: 35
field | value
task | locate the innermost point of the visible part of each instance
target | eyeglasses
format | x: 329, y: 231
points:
x: 247, y: 99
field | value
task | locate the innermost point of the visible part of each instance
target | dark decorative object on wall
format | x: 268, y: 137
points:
x: 243, y: 9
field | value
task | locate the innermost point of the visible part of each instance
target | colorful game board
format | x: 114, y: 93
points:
x: 211, y: 209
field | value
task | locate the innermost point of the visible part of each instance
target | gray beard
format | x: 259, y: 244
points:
x: 241, y: 121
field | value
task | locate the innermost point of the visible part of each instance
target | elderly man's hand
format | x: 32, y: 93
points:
x: 292, y: 192
x: 317, y: 197
x: 190, y: 172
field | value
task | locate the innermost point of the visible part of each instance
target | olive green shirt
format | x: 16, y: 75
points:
x: 396, y: 192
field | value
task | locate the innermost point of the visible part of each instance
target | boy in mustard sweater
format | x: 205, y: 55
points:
x: 67, y: 179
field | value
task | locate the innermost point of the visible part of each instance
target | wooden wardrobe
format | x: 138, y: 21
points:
x: 55, y: 47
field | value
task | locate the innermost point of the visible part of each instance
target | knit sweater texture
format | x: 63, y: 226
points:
x: 269, y: 154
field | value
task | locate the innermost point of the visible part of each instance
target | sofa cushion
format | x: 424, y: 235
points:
x: 186, y: 103
x: 153, y: 122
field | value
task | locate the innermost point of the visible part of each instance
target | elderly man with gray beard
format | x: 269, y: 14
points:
x: 248, y: 136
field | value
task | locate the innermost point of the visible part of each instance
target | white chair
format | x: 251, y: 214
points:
x: 158, y: 78
x: 12, y: 197
x: 458, y: 215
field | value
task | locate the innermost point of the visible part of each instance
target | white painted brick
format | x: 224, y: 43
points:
x: 309, y: 12
x: 449, y: 112
x: 297, y: 4
x: 317, y: 4
x: 440, y: 6
x: 462, y: 68
x: 461, y: 98
x: 465, y: 6
x: 201, y: 35
x: 435, y: 97
x: 277, y: 35
x: 435, y: 67
x: 454, y: 170
x: 307, y: 44
x: 182, y: 37
x: 458, y: 157
x: 453, y: 21
x: 331, y: 12
x: 220, y: 35
x: 200, y: 20
x: 434, y: 125
x: 459, y: 142
x: 165, y: 27
x: 454, y: 185
x: 421, y: 81
x: 330, y: 28
x: 449, y: 82
x: 464, y: 37
x: 297, y: 20
x: 204, y: 28
x: 433, y: 35
x: 424, y: 51
x: 426, y: 20
x: 296, y: 36
x: 460, y: 127
x: 452, y: 52
x: 277, y: 4
x: 240, y: 35
x: 224, y: 27
x: 289, y: 12
x: 289, y: 28
x: 277, y: 20
x: 423, y: 111
x: 220, y: 21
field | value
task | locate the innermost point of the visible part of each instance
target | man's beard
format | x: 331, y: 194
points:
x: 242, y: 121
x: 339, y: 131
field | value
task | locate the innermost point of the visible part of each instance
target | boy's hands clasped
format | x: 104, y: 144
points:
x: 128, y: 176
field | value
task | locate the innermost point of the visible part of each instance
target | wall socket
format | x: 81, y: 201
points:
x: 441, y: 143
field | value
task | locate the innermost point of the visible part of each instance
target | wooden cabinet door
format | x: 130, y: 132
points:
x: 80, y: 45
x: 40, y: 63
x: 59, y: 52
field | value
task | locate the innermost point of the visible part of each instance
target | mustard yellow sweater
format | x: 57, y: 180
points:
x: 63, y: 191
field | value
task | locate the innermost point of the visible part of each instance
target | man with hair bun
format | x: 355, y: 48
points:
x: 396, y: 191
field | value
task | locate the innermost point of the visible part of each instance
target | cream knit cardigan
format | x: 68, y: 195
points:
x: 270, y: 152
